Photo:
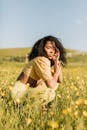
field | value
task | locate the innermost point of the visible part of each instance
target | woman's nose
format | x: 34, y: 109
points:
x: 52, y: 51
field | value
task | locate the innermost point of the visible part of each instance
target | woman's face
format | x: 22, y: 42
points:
x: 49, y: 49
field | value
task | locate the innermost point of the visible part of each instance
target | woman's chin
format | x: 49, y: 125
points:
x: 50, y: 57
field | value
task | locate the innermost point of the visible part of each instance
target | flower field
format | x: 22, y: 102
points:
x: 67, y: 112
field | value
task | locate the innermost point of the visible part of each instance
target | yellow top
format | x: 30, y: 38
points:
x: 38, y: 68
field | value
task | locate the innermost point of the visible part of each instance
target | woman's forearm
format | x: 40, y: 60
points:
x: 60, y: 77
x: 56, y: 76
x: 52, y: 83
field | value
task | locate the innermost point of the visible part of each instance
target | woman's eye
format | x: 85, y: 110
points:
x: 48, y: 47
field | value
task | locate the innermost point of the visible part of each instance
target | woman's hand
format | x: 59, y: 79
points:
x: 57, y: 66
x: 57, y: 74
x: 56, y: 56
x: 56, y: 61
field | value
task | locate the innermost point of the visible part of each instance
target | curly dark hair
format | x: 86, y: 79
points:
x: 38, y: 48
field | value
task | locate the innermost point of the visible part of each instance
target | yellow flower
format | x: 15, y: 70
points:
x: 85, y: 102
x: 18, y: 100
x: 2, y: 94
x: 51, y: 113
x: 10, y: 88
x: 58, y: 95
x: 78, y: 78
x: 28, y: 121
x: 65, y: 111
x: 80, y: 101
x: 77, y: 93
x: 76, y: 106
x: 76, y: 113
x: 85, y: 113
x: 68, y: 96
x: 53, y: 124
x: 50, y: 129
x: 68, y: 110
x: 72, y: 103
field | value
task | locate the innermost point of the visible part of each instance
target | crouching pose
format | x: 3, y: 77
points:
x: 42, y: 74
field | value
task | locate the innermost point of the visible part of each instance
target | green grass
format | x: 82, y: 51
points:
x: 67, y: 112
x: 14, y: 52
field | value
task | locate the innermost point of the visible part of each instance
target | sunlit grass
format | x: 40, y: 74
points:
x: 67, y: 112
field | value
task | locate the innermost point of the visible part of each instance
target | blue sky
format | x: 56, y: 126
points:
x: 23, y: 22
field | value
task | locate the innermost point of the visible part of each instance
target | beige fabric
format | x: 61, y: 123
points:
x: 39, y: 69
x: 41, y: 94
x: 19, y: 91
x: 42, y: 68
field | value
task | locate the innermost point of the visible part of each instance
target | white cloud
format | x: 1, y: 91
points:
x: 81, y: 20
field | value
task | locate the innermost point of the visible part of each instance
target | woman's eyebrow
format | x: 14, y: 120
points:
x: 49, y: 46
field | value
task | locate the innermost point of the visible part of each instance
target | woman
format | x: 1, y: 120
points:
x: 37, y: 78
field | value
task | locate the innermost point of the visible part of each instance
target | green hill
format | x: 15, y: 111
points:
x: 19, y: 54
x: 14, y: 52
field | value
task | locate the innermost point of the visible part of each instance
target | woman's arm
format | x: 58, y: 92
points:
x: 57, y: 75
x: 23, y: 77
x: 60, y: 76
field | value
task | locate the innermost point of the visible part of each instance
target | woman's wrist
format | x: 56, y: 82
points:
x: 56, y: 75
x: 57, y: 66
